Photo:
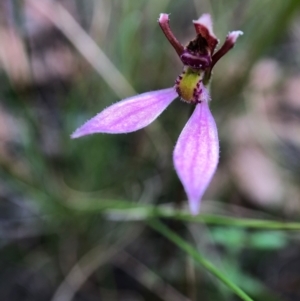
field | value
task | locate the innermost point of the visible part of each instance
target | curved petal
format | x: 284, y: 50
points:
x: 128, y: 115
x: 196, y: 154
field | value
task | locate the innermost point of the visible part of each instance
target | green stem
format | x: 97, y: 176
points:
x: 182, y: 244
x: 126, y: 211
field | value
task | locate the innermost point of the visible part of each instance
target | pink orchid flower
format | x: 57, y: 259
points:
x: 196, y: 153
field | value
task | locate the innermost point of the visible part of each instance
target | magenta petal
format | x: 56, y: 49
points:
x: 128, y: 115
x: 196, y: 154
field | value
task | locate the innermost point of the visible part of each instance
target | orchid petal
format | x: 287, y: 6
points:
x: 204, y: 27
x: 233, y: 36
x: 196, y: 154
x: 128, y: 115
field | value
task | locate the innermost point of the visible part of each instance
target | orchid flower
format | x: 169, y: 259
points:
x: 196, y: 153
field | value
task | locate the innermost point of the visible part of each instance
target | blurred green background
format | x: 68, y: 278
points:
x: 74, y: 213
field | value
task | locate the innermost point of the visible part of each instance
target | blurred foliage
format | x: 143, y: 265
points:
x: 63, y: 236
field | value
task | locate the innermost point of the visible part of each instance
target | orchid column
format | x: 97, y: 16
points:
x: 196, y: 153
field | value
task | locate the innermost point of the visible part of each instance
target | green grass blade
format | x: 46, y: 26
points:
x: 189, y: 249
x: 126, y: 211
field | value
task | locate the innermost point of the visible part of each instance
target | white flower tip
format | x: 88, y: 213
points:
x: 163, y: 18
x: 84, y: 130
x: 206, y: 21
x: 194, y: 206
x: 75, y: 135
x: 233, y: 36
